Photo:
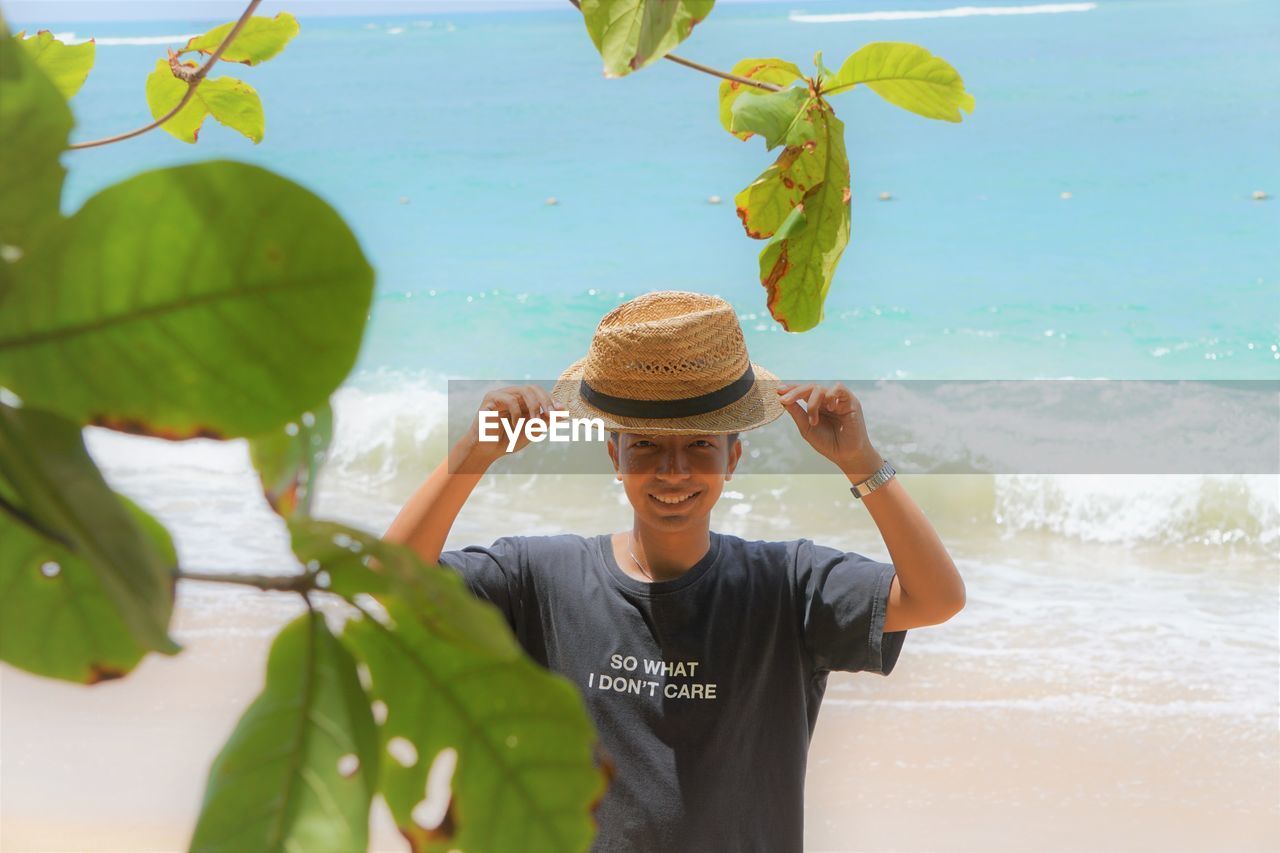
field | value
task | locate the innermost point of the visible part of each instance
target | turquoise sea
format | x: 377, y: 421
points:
x: 1159, y: 117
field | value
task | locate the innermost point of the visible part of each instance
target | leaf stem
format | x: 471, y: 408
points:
x: 714, y: 72
x: 301, y: 584
x: 192, y: 84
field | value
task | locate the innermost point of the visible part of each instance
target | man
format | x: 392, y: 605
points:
x: 702, y: 657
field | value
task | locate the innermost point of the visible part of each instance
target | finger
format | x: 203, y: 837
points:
x: 798, y: 415
x: 529, y: 398
x: 548, y: 402
x: 507, y: 405
x: 544, y: 402
x: 812, y: 404
x: 795, y: 392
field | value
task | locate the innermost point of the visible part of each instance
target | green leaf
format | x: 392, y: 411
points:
x: 56, y: 618
x: 451, y: 675
x: 768, y: 200
x: 51, y: 482
x: 67, y: 65
x: 288, y: 460
x: 631, y: 34
x: 908, y: 76
x: 232, y: 102
x: 778, y: 116
x: 358, y: 563
x: 300, y: 769
x: 215, y: 300
x: 34, y: 126
x: 260, y: 39
x: 520, y: 734
x: 797, y: 265
x: 774, y: 71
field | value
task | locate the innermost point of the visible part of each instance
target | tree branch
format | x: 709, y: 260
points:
x: 192, y: 84
x: 301, y: 584
x: 706, y: 69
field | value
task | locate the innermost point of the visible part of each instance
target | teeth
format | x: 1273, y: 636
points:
x: 675, y: 500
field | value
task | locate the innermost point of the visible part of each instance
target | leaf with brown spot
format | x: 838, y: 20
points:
x: 99, y: 673
x: 799, y: 262
x: 89, y: 568
x: 775, y: 71
x: 260, y: 39
x: 631, y: 34
x: 231, y: 102
x: 768, y: 200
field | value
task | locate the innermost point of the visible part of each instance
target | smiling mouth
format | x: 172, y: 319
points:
x: 675, y: 500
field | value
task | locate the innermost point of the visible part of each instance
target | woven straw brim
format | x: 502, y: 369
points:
x: 757, y: 408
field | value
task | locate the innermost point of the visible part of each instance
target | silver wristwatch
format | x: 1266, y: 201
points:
x: 882, y: 475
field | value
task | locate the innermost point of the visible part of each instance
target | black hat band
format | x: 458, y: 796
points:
x: 684, y: 407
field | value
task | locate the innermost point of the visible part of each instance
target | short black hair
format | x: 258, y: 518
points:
x: 613, y: 437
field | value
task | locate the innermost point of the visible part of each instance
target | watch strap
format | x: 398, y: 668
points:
x: 883, y: 474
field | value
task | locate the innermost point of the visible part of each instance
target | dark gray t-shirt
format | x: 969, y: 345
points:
x: 704, y: 689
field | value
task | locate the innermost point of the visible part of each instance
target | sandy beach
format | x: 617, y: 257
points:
x: 958, y: 749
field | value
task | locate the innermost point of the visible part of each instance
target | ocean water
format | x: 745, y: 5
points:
x: 440, y: 136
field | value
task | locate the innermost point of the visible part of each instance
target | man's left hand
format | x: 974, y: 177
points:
x: 833, y: 425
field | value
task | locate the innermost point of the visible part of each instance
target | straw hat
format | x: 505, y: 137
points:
x: 671, y: 362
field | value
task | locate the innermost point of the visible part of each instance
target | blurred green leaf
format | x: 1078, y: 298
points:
x: 778, y: 116
x: 260, y: 39
x: 232, y: 102
x: 359, y: 563
x: 774, y: 71
x: 452, y: 675
x: 300, y: 770
x: 214, y: 300
x: 288, y: 460
x: 67, y: 65
x: 34, y: 125
x: 798, y: 263
x: 52, y: 483
x: 56, y: 618
x: 908, y: 76
x: 519, y: 734
x: 630, y: 34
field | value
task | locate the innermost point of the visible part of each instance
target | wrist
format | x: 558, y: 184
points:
x: 861, y: 468
x: 469, y: 456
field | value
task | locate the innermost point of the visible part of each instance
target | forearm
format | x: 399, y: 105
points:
x: 425, y: 520
x: 926, y: 573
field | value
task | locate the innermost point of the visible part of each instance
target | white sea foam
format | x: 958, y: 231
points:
x: 391, y: 430
x: 955, y: 12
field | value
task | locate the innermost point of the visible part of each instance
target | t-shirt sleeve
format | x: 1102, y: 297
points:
x: 842, y: 599
x: 494, y: 573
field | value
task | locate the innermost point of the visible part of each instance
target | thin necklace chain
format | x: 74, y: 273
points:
x: 631, y: 550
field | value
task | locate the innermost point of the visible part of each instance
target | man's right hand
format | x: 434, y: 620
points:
x: 511, y: 404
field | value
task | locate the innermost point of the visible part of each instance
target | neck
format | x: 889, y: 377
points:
x: 668, y: 554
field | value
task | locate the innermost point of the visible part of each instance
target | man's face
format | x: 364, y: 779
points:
x: 673, y: 481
